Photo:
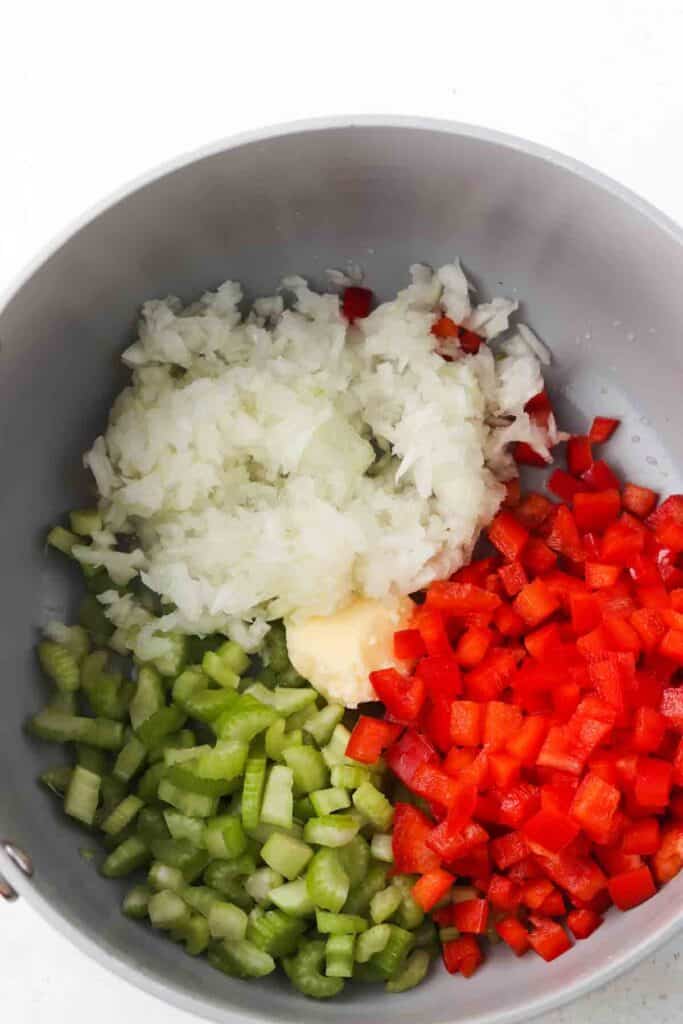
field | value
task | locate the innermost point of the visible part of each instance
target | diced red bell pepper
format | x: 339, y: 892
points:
x: 434, y: 785
x: 406, y: 754
x: 436, y: 721
x: 548, y: 939
x: 671, y: 645
x: 537, y: 557
x: 501, y: 722
x: 621, y: 634
x: 564, y: 486
x: 466, y: 723
x: 432, y: 629
x: 543, y: 642
x: 475, y: 772
x: 583, y: 923
x: 402, y: 696
x: 600, y: 477
x: 513, y: 577
x: 640, y: 501
x: 672, y: 707
x: 642, y: 837
x: 536, y: 602
x: 462, y: 956
x: 579, y: 875
x: 564, y: 535
x: 621, y: 544
x: 508, y: 622
x: 487, y: 680
x: 652, y: 786
x: 667, y: 523
x: 473, y: 645
x: 594, y: 805
x: 518, y: 803
x: 451, y: 840
x: 508, y: 535
x: 509, y: 849
x: 533, y: 510
x: 441, y: 676
x: 527, y: 741
x: 514, y: 934
x: 602, y: 429
x: 432, y: 887
x: 649, y: 625
x: 595, y: 511
x: 585, y: 611
x: 648, y: 730
x: 540, y: 408
x: 535, y: 892
x: 471, y: 916
x: 553, y: 905
x: 458, y: 760
x: 550, y: 831
x: 504, y: 770
x: 678, y: 764
x: 503, y: 894
x: 444, y: 328
x: 409, y: 841
x: 456, y: 598
x: 579, y: 455
x: 525, y: 455
x: 631, y: 887
x: 408, y: 645
x: 599, y: 576
x: 356, y: 303
x: 668, y: 860
x: 559, y: 752
x: 369, y: 738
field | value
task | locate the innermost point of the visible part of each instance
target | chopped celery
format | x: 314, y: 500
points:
x: 389, y: 960
x: 208, y: 705
x: 112, y: 792
x: 285, y: 701
x: 148, y: 698
x: 196, y: 935
x: 304, y: 972
x: 148, y: 786
x: 241, y: 959
x: 331, y: 830
x: 293, y: 898
x: 136, y: 901
x: 181, y: 854
x: 189, y: 682
x: 126, y: 858
x: 130, y: 760
x: 219, y: 671
x: 349, y: 776
x: 372, y: 941
x: 374, y: 806
x: 274, y: 932
x: 195, y: 805
x: 277, y: 804
x: 325, y: 801
x: 299, y: 718
x: 339, y: 924
x: 60, y: 664
x: 182, y: 740
x: 61, y: 539
x: 85, y: 521
x: 226, y: 921
x: 411, y: 974
x: 82, y: 795
x: 339, y: 956
x: 327, y: 881
x: 66, y: 703
x: 224, y: 837
x: 359, y: 898
x: 321, y: 725
x: 225, y: 761
x: 200, y: 897
x: 63, y: 728
x: 185, y: 776
x: 91, y: 616
x: 424, y: 936
x: 168, y: 910
x: 285, y: 854
x: 150, y: 824
x: 228, y: 885
x: 335, y: 751
x: 303, y: 809
x: 121, y: 816
x: 234, y: 656
x: 308, y: 769
x: 385, y: 903
x: 355, y: 859
x: 92, y: 758
x: 410, y: 914
x: 244, y: 720
x: 260, y: 883
x: 163, y: 876
x: 181, y: 755
x: 277, y: 739
x: 381, y: 847
x: 253, y: 785
x: 449, y: 934
x: 57, y: 779
x: 160, y: 724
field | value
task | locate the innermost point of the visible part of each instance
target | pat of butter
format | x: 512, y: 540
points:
x: 336, y: 653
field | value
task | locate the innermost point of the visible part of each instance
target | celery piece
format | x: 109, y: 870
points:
x: 150, y: 824
x: 385, y: 903
x: 245, y: 719
x: 274, y: 932
x: 149, y: 696
x: 335, y: 751
x: 225, y: 761
x: 82, y: 795
x: 60, y: 664
x: 62, y: 540
x: 360, y: 896
x: 200, y: 897
x: 260, y: 883
x: 168, y: 910
x: 355, y: 859
x: 381, y: 847
x: 372, y: 941
x: 92, y: 617
x: 135, y: 902
x: 331, y: 829
x: 285, y: 701
x: 277, y: 804
x: 148, y: 786
x: 297, y: 720
x: 196, y: 935
x: 293, y: 898
x: 411, y: 973
x: 208, y: 705
x: 74, y: 638
x: 130, y: 760
x: 304, y: 971
x: 241, y: 959
x: 112, y: 792
x: 374, y: 806
x: 126, y: 858
x: 191, y: 681
x: 181, y: 755
x: 224, y: 837
x: 195, y: 805
x: 339, y: 924
x: 163, y: 876
x: 218, y: 671
x: 234, y: 656
x: 92, y: 758
x: 181, y: 854
x: 327, y: 881
x: 85, y: 521
x: 226, y: 921
x: 253, y: 786
x: 160, y: 724
x: 339, y: 956
x: 64, y: 703
x: 303, y: 809
x: 286, y: 855
x: 231, y: 887
x: 390, y: 959
x: 185, y: 776
x: 410, y: 914
x: 326, y: 801
x: 122, y: 815
x: 424, y: 936
x: 57, y: 779
x: 278, y: 739
x: 308, y: 768
x: 322, y: 724
x: 170, y: 664
x: 103, y: 733
x: 185, y: 739
x: 182, y: 826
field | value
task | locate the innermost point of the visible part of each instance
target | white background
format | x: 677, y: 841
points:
x: 93, y: 94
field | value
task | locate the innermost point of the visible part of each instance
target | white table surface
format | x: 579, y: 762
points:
x: 94, y: 94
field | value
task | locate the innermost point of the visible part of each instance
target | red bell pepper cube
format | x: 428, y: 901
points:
x: 473, y: 645
x: 642, y: 837
x: 503, y: 894
x: 537, y: 557
x: 525, y: 455
x: 471, y: 916
x: 550, y: 831
x: 527, y: 741
x: 639, y: 501
x: 668, y: 860
x: 504, y: 770
x: 408, y: 645
x: 553, y: 905
x: 595, y: 511
x: 677, y: 764
x: 487, y: 680
x: 621, y: 544
x: 476, y: 772
x: 671, y: 645
x: 535, y: 892
x: 406, y: 754
x: 466, y: 725
x: 402, y: 696
x: 451, y: 840
x: 565, y: 699
x: 508, y: 535
x: 513, y: 577
x: 441, y: 676
x: 514, y: 934
x: 621, y: 634
x: 602, y: 429
x: 583, y: 923
x: 436, y: 721
x: 564, y: 535
x: 432, y: 629
x: 672, y: 707
x: 579, y: 455
x: 533, y: 510
x: 542, y: 643
x: 434, y: 785
x: 648, y: 730
x: 650, y: 627
x: 536, y: 602
x: 509, y: 849
x: 501, y: 722
x: 599, y: 576
x: 409, y: 841
x: 369, y: 738
x: 600, y: 477
x: 652, y: 786
x: 579, y: 875
x: 585, y: 611
x: 548, y: 938
x: 462, y: 956
x: 458, y: 759
x: 540, y: 408
x: 356, y: 303
x: 559, y: 752
x: 432, y: 887
x: 595, y: 804
x: 455, y: 598
x: 667, y: 523
x: 631, y: 887
x: 508, y: 622
x: 444, y: 328
x: 564, y: 486
x: 613, y: 676
x: 518, y: 803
